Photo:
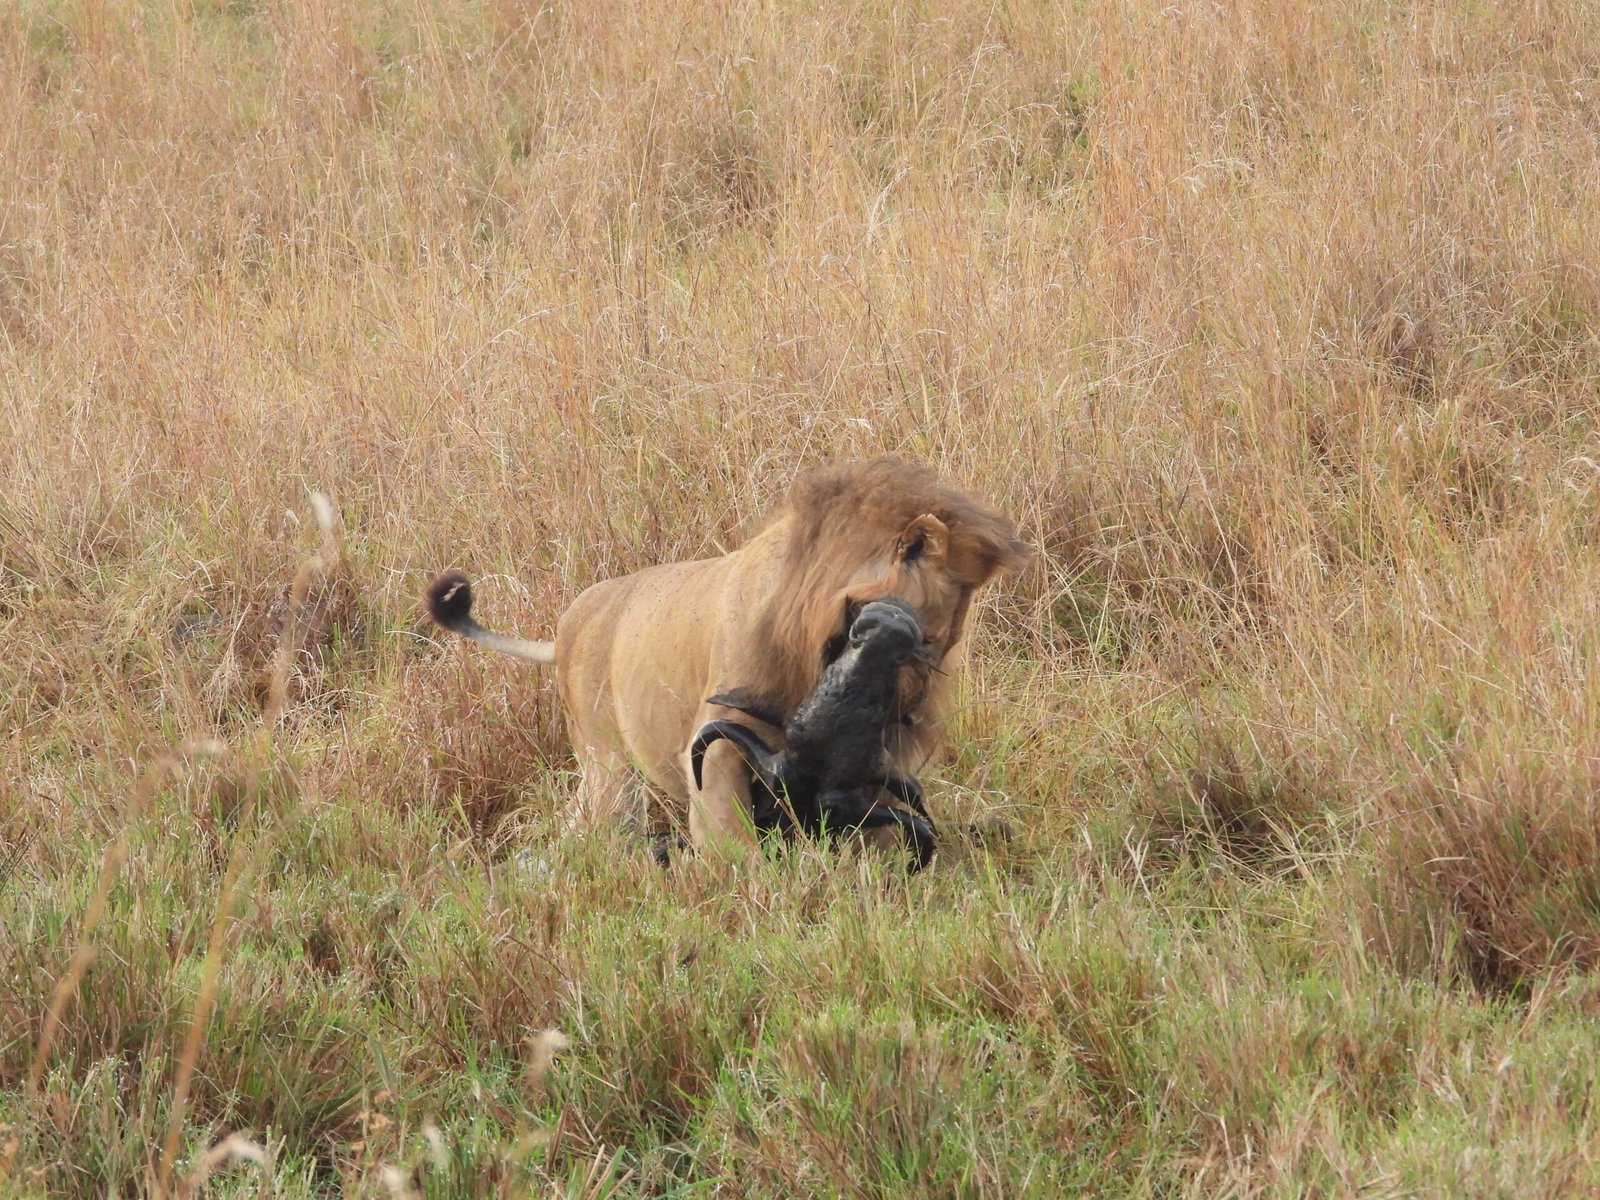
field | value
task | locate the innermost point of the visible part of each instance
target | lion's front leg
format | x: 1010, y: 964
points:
x: 720, y: 811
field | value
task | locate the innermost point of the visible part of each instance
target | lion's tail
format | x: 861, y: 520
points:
x: 449, y: 600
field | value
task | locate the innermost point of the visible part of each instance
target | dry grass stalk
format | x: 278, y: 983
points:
x: 246, y: 858
x: 232, y: 1149
x: 111, y: 864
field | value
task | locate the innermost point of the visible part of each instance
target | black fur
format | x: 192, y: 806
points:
x: 449, y: 600
x: 833, y: 763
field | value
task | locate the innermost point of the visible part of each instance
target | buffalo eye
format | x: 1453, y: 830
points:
x: 835, y: 645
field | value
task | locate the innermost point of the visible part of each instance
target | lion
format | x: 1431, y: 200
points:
x: 640, y: 658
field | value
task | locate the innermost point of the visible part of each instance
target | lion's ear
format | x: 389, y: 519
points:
x: 925, y: 540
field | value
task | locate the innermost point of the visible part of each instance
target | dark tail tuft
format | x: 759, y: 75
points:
x: 449, y: 600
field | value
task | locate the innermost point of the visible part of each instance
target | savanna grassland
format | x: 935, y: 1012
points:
x: 1273, y: 324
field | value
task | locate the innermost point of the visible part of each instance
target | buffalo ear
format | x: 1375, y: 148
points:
x: 745, y: 700
x: 925, y: 540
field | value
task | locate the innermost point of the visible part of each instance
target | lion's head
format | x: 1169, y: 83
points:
x: 858, y: 532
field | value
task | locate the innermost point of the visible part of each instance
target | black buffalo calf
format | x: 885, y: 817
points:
x: 827, y: 777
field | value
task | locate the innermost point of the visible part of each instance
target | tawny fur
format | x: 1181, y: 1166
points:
x: 636, y: 657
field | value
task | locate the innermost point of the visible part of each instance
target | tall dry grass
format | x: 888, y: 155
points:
x: 1274, y: 325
